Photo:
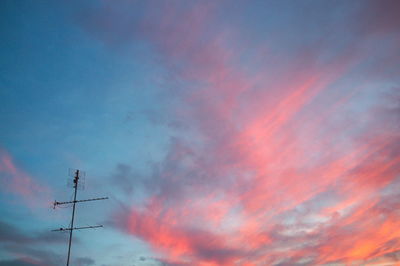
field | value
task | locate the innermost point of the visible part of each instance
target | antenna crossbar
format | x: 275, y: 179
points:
x: 77, y: 228
x: 76, y: 201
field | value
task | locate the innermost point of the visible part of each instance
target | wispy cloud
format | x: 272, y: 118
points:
x: 285, y: 163
x: 19, y: 183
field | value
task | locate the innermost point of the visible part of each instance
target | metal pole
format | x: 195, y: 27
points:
x: 73, y: 214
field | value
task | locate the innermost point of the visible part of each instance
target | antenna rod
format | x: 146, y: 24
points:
x: 76, y: 179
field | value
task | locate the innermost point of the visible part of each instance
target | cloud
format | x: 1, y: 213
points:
x: 291, y: 162
x: 84, y: 261
x: 30, y: 257
x: 16, y: 263
x: 124, y: 178
x: 379, y: 18
x: 30, y: 248
x: 19, y: 183
x: 33, y: 256
x: 11, y: 234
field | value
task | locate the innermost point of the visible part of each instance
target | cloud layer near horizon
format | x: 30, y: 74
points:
x: 286, y: 153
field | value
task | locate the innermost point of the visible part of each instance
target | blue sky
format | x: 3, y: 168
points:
x: 191, y: 116
x: 59, y: 89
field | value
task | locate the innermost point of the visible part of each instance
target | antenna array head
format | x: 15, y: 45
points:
x: 81, y: 175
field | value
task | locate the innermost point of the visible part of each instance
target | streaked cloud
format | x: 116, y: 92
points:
x: 282, y: 164
x: 19, y: 183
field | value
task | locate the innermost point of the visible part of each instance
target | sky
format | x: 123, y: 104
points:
x: 227, y: 132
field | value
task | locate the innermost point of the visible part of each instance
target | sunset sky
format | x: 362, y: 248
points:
x: 261, y: 132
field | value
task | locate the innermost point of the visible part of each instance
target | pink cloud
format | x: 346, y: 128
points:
x: 284, y: 168
x: 19, y: 183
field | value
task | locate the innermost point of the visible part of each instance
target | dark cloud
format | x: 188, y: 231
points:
x: 125, y: 178
x: 32, y: 247
x: 37, y: 255
x: 84, y: 261
x: 11, y: 234
x: 379, y: 17
x: 16, y: 263
x: 41, y: 256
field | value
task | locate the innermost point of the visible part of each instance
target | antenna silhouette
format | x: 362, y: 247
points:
x: 76, y: 184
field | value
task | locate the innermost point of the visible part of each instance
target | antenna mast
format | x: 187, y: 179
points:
x: 72, y: 228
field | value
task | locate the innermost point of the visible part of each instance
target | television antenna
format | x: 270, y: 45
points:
x: 77, y: 174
